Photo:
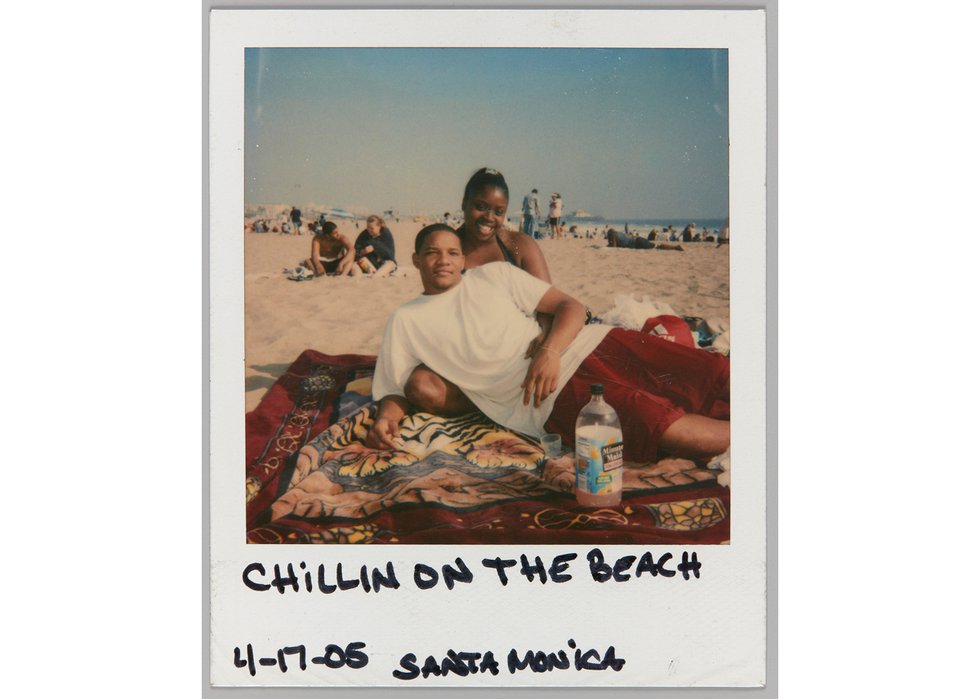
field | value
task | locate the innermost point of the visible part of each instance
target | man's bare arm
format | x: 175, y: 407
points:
x: 318, y: 269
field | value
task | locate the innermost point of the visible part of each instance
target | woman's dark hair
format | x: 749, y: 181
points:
x: 485, y: 177
x: 327, y: 227
x: 429, y: 230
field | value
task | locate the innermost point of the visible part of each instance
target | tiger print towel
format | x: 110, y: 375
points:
x: 461, y: 463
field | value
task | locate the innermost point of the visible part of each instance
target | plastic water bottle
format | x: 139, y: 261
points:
x: 598, y: 453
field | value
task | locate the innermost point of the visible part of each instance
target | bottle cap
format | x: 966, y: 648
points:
x: 597, y: 389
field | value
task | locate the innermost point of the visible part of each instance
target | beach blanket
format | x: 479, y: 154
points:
x: 311, y: 479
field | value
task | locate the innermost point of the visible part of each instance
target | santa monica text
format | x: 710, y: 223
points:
x: 465, y: 663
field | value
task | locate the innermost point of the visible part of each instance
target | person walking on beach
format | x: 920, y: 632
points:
x: 297, y: 219
x: 668, y: 396
x: 554, y: 214
x: 532, y: 212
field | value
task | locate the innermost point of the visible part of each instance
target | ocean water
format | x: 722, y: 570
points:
x: 637, y: 225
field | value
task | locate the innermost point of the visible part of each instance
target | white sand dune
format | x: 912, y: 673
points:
x: 347, y: 315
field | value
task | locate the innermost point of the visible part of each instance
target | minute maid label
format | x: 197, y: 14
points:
x: 599, y: 464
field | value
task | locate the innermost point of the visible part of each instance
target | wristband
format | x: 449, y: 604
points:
x: 549, y: 349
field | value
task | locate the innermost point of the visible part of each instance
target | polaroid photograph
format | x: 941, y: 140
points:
x: 487, y: 348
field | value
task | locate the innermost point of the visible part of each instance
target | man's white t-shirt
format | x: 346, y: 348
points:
x: 475, y: 335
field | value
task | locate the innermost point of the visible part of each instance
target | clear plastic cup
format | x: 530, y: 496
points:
x: 551, y: 444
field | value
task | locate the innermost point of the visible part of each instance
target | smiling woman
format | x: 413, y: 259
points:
x: 484, y: 234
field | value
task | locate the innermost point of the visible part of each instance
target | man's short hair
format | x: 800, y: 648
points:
x: 429, y: 230
x: 534, y: 191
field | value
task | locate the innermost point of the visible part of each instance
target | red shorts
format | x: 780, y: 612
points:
x: 650, y: 382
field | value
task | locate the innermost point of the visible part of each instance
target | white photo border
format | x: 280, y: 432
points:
x: 740, y: 568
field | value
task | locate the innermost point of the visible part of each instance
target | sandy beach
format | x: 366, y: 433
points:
x: 347, y: 315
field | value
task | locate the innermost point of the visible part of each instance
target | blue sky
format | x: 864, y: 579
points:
x: 622, y: 133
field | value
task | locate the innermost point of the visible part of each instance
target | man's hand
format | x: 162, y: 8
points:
x: 384, y: 434
x: 542, y: 376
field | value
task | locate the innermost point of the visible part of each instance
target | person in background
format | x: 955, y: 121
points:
x: 723, y: 234
x: 554, y: 214
x: 296, y: 218
x: 531, y: 212
x: 374, y: 249
x: 330, y: 252
x: 618, y: 239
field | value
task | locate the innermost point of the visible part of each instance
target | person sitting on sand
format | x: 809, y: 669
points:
x: 723, y: 234
x: 668, y: 396
x: 330, y: 253
x: 375, y: 248
x: 485, y: 238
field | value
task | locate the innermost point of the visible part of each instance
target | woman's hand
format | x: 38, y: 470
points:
x: 544, y: 322
x: 535, y: 344
x: 542, y: 376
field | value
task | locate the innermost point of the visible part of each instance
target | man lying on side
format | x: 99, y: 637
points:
x: 474, y: 330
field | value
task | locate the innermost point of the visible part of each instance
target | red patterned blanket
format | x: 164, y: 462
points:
x: 311, y: 479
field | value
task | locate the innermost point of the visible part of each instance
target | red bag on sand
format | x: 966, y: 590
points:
x: 670, y: 328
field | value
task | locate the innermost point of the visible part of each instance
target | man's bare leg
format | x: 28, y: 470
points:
x: 697, y: 437
x: 431, y: 393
